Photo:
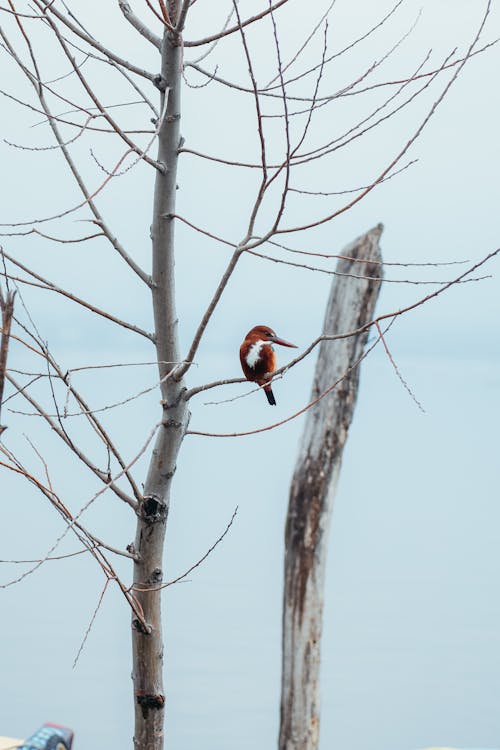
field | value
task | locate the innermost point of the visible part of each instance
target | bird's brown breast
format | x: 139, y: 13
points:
x: 257, y: 364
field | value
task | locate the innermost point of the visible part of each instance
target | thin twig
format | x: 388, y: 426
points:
x: 136, y: 587
x: 70, y: 524
x: 397, y: 371
x: 49, y: 6
x: 325, y: 337
x: 296, y: 414
x: 240, y: 25
x: 92, y: 619
x: 50, y: 286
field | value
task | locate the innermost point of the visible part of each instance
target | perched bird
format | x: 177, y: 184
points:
x: 258, y: 359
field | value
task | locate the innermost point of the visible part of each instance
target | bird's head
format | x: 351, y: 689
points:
x: 266, y: 334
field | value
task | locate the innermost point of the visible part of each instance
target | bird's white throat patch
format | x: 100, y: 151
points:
x: 253, y: 355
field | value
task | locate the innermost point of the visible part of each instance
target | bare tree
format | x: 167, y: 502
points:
x: 68, y: 94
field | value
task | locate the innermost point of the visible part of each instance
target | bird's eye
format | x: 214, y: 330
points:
x: 269, y: 334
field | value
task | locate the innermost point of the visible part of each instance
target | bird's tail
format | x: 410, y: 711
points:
x: 270, y: 395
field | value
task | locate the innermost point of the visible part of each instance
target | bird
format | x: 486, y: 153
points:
x: 257, y: 357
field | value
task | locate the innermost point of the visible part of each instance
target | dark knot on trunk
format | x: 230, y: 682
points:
x: 152, y: 509
x: 149, y: 703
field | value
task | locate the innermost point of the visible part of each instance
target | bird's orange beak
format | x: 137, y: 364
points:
x: 282, y: 342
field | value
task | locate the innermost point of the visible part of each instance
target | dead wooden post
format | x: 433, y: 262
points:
x: 351, y: 305
x: 7, y: 310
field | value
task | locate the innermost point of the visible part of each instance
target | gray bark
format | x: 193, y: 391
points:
x: 147, y: 672
x: 351, y: 305
x: 7, y: 313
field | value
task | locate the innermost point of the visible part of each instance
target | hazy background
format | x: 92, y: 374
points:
x: 411, y: 648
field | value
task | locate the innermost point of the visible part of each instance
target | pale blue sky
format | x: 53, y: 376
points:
x: 412, y: 617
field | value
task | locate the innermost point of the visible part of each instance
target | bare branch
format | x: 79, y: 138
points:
x: 391, y: 316
x: 73, y: 525
x: 92, y: 619
x: 352, y: 44
x: 401, y: 264
x: 93, y: 421
x: 182, y: 369
x: 160, y: 18
x: 357, y: 130
x: 328, y: 194
x: 322, y: 220
x: 96, y: 101
x: 179, y: 26
x: 297, y: 413
x: 216, y: 384
x: 51, y: 237
x: 48, y: 559
x: 71, y: 520
x: 62, y: 120
x: 427, y: 74
x: 288, y: 149
x: 99, y: 220
x: 286, y: 104
x: 86, y: 410
x: 331, y: 272
x: 102, y: 475
x: 397, y: 371
x: 136, y: 87
x: 137, y: 586
x: 238, y: 27
x: 139, y: 25
x: 49, y: 7
x: 303, y: 45
x: 59, y: 505
x: 412, y: 140
x: 50, y: 286
x: 260, y: 128
x: 215, y: 42
x: 165, y: 14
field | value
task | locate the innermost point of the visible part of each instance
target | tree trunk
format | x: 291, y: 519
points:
x: 7, y: 313
x: 147, y: 672
x: 351, y: 305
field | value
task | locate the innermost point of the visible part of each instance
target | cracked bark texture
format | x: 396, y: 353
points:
x: 351, y: 304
